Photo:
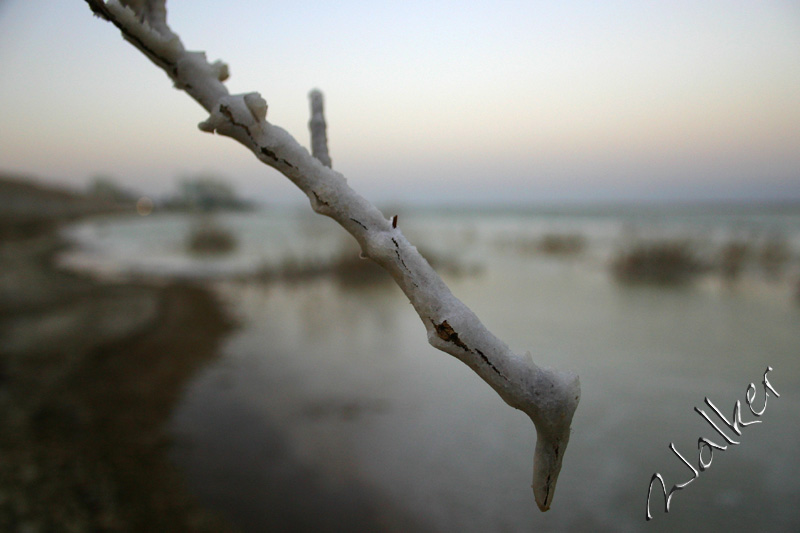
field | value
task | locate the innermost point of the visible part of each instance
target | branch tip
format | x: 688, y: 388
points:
x: 99, y: 9
x: 317, y: 127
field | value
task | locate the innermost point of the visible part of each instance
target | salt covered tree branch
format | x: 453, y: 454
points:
x: 547, y: 396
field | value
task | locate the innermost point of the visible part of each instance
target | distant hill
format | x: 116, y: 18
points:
x: 28, y: 207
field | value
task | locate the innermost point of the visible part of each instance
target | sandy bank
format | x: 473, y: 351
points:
x: 89, y: 374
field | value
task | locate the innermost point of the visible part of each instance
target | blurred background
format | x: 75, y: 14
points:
x: 184, y: 345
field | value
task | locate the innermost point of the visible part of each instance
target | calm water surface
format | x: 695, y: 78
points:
x: 347, y: 379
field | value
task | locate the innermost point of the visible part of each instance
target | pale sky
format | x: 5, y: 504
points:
x: 427, y: 101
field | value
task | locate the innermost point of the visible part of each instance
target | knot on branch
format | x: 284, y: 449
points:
x: 446, y: 332
x: 152, y: 13
x: 244, y: 111
x: 220, y: 70
x: 257, y: 106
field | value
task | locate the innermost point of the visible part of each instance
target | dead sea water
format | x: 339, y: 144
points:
x: 334, y: 390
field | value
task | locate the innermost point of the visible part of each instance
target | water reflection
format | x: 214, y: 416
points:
x: 430, y: 437
x: 345, y: 383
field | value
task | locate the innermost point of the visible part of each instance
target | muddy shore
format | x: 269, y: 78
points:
x: 89, y: 373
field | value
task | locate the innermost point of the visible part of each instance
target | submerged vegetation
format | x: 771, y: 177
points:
x: 209, y: 237
x: 552, y: 244
x: 774, y: 256
x: 666, y: 262
x: 561, y: 244
x: 349, y: 268
x: 732, y: 259
x: 678, y: 261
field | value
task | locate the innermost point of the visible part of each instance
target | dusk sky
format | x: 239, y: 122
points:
x: 427, y: 101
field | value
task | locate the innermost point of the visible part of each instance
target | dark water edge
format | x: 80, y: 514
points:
x: 89, y: 372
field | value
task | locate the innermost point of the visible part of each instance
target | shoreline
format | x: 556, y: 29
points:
x: 90, y: 372
x: 92, y: 369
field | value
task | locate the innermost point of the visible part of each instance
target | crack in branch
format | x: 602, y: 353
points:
x: 360, y: 224
x: 446, y: 332
x: 320, y: 201
x: 547, y: 491
x: 400, y: 258
x: 397, y: 252
x: 226, y: 110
